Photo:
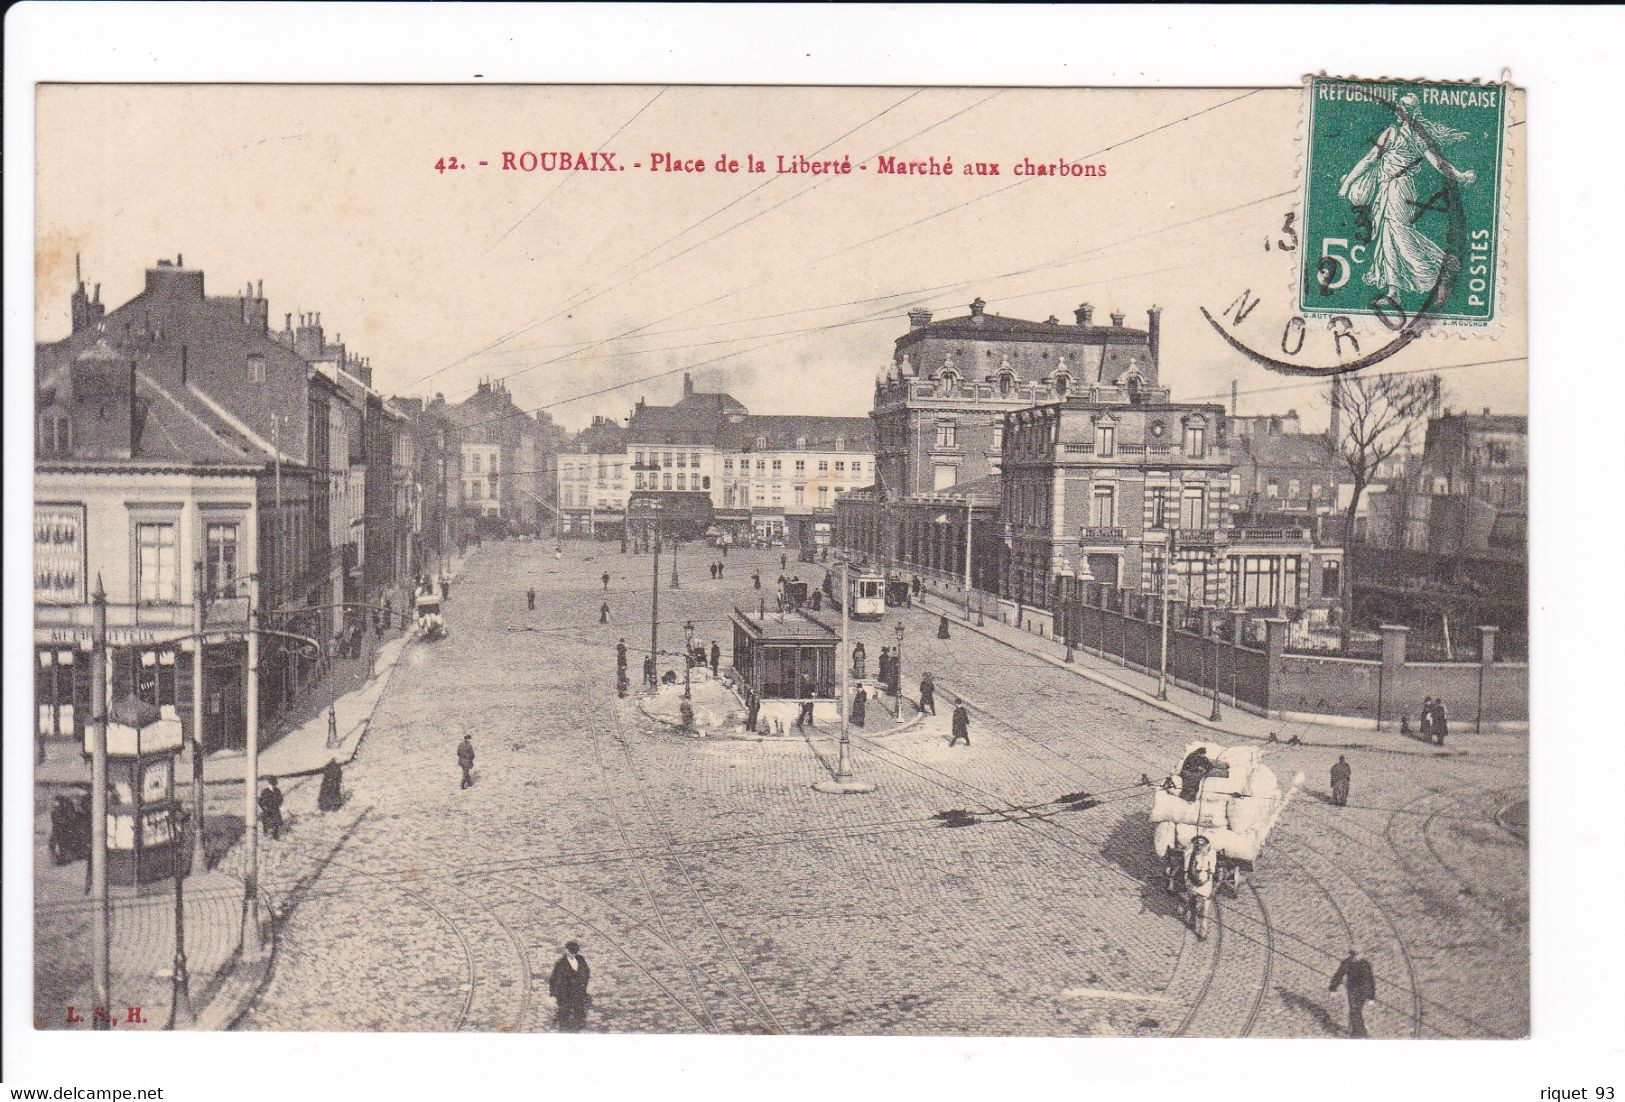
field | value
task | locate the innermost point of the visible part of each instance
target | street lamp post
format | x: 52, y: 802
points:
x: 674, y: 560
x: 98, y: 809
x: 251, y: 933
x: 843, y: 783
x: 181, y: 1015
x: 688, y: 659
x: 1167, y: 591
x: 968, y: 522
x: 1213, y: 644
x: 897, y: 664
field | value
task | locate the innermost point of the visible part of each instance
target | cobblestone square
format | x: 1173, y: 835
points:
x: 975, y: 892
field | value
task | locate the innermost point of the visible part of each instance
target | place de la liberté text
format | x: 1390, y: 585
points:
x: 791, y: 164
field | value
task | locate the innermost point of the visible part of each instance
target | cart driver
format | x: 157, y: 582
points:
x: 1193, y: 771
x: 1201, y: 867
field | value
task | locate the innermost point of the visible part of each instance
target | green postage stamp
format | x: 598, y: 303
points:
x: 1402, y: 201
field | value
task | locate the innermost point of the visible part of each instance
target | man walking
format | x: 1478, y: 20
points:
x: 1341, y: 775
x: 928, y: 693
x: 271, y: 810
x: 784, y: 561
x: 603, y: 613
x: 942, y: 628
x: 649, y: 671
x: 859, y: 659
x: 530, y: 598
x: 716, y: 658
x: 620, y: 656
x: 756, y: 579
x: 1441, y: 724
x: 568, y: 986
x: 961, y: 724
x: 1362, y: 988
x: 465, y: 759
x: 860, y: 704
x: 805, y: 716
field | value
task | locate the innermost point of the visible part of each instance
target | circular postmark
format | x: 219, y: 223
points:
x: 1380, y: 191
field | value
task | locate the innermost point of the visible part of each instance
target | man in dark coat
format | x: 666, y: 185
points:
x: 445, y: 589
x: 1441, y: 725
x: 1362, y: 988
x: 784, y: 562
x: 649, y: 671
x: 1192, y: 772
x: 961, y: 724
x: 1341, y: 775
x: 620, y: 656
x: 883, y: 666
x: 1425, y: 723
x: 716, y: 658
x: 859, y: 659
x: 389, y: 614
x: 530, y: 598
x: 606, y: 581
x: 603, y: 613
x: 942, y: 628
x: 465, y: 759
x: 928, y: 693
x: 805, y: 716
x: 271, y: 809
x: 568, y: 986
x: 756, y: 579
x: 860, y: 703
x: 331, y: 796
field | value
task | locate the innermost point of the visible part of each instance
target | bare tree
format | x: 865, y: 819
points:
x: 1377, y: 414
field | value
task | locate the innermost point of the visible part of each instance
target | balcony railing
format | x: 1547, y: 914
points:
x: 1270, y: 535
x: 1103, y: 535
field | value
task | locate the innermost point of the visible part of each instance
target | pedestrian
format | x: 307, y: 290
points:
x: 859, y: 659
x: 1441, y: 724
x: 756, y: 579
x: 1405, y: 725
x: 271, y: 810
x: 716, y: 658
x: 928, y: 693
x: 784, y: 561
x: 445, y: 589
x: 331, y: 796
x: 805, y: 716
x: 465, y: 759
x: 649, y: 671
x: 961, y: 724
x: 817, y: 600
x: 883, y: 666
x: 377, y: 624
x: 1425, y: 724
x: 530, y: 598
x: 713, y: 569
x: 860, y: 702
x: 724, y: 550
x: 356, y: 633
x: 605, y: 579
x: 568, y: 986
x: 719, y: 565
x: 942, y: 628
x: 389, y: 614
x: 1361, y: 986
x: 753, y: 708
x: 603, y: 613
x: 1341, y: 775
x: 622, y: 683
x: 620, y: 656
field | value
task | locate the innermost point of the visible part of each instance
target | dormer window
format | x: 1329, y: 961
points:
x: 840, y: 443
x: 256, y: 369
x: 801, y: 442
x: 948, y: 380
x: 761, y: 443
x: 1063, y: 383
x: 1195, y: 438
x: 1007, y: 383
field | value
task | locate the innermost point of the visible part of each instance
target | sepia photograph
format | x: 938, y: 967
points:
x: 962, y: 560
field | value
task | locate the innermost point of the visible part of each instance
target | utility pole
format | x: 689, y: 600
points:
x: 181, y: 1015
x: 1213, y: 642
x: 98, y: 808
x: 1167, y: 590
x: 654, y: 610
x: 843, y: 783
x: 967, y: 557
x: 251, y: 947
x: 674, y: 561
x: 200, y: 853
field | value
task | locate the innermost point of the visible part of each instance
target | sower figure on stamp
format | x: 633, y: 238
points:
x: 1362, y: 988
x: 465, y: 759
x: 1341, y: 775
x: 568, y: 986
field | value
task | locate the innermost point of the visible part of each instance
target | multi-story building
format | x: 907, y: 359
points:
x: 594, y: 481
x: 505, y: 460
x: 1280, y: 469
x: 789, y: 470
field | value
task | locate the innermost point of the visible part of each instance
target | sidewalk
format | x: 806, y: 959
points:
x: 142, y: 927
x: 1193, y: 707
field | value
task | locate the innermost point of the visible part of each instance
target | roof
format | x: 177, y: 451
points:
x: 996, y: 327
x: 789, y: 627
x: 1288, y: 450
x: 781, y: 433
x: 989, y: 489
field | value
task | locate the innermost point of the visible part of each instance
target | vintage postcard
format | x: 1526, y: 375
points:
x: 707, y: 559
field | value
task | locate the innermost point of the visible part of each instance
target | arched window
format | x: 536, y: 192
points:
x: 1007, y: 383
x: 948, y: 380
x: 1063, y: 383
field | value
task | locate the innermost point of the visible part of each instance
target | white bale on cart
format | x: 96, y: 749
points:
x: 1235, y: 809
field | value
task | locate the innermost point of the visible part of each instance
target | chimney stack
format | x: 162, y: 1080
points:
x: 688, y: 384
x: 1117, y: 318
x: 1085, y: 314
x: 1153, y: 335
x: 919, y: 318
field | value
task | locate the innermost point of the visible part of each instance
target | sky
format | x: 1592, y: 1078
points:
x: 584, y: 291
